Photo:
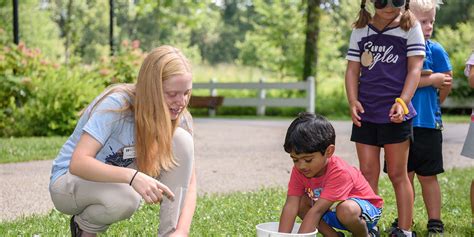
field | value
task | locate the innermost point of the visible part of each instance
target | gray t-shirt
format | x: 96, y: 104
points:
x: 112, y: 129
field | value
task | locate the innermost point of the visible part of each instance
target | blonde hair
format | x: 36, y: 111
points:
x: 407, y: 21
x: 425, y: 5
x: 153, y: 126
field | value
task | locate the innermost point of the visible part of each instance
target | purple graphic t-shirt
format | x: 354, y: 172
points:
x: 382, y: 81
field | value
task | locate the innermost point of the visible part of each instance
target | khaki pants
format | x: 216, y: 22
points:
x: 468, y: 148
x: 97, y: 205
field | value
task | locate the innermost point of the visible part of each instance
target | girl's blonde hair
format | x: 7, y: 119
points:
x: 153, y: 126
x: 425, y: 5
x: 407, y: 20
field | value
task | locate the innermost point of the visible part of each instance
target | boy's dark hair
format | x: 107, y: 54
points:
x: 309, y: 133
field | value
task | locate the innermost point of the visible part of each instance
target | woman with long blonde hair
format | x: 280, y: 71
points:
x: 127, y: 146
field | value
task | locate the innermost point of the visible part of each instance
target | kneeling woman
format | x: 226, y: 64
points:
x: 127, y: 146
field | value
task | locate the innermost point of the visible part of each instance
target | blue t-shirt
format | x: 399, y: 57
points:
x: 112, y: 129
x: 383, y: 80
x: 426, y: 99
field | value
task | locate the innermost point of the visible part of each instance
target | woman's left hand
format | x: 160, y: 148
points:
x: 396, y: 113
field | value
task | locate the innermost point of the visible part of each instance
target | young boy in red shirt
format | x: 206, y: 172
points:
x: 324, y: 190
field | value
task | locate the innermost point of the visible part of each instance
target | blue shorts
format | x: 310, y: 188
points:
x: 370, y: 214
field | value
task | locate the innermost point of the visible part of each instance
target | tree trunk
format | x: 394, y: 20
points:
x: 313, y: 15
x: 67, y: 19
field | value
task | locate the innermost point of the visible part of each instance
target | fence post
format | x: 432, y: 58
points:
x: 311, y: 95
x: 213, y: 92
x: 261, y: 97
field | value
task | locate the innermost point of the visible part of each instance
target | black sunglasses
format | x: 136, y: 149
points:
x: 381, y: 4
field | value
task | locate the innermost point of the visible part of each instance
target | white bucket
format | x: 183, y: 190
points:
x: 270, y: 229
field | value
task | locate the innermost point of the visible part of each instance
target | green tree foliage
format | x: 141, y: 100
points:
x: 454, y: 11
x: 94, y: 36
x: 277, y: 41
x: 459, y: 43
x: 158, y: 22
x: 35, y: 26
x: 83, y: 26
x: 217, y: 39
x: 333, y: 42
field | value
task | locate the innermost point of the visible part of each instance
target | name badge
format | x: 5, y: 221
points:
x: 128, y: 152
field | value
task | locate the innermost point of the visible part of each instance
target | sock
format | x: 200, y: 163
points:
x: 407, y: 233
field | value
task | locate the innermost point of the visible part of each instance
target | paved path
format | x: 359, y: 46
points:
x: 231, y: 155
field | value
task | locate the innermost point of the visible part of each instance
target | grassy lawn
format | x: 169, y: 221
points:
x: 29, y: 148
x: 237, y: 214
x: 455, y: 118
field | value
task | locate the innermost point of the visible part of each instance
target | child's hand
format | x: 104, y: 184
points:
x: 356, y: 107
x: 441, y: 80
x: 448, y: 80
x: 396, y: 113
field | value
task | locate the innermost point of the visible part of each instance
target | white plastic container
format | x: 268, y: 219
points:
x: 270, y: 229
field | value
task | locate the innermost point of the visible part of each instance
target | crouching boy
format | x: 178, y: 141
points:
x: 324, y: 190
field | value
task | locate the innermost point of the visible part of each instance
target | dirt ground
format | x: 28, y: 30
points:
x: 231, y: 155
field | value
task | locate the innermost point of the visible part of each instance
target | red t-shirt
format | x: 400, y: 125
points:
x: 340, y: 182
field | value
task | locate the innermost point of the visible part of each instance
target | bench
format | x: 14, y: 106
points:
x: 209, y: 102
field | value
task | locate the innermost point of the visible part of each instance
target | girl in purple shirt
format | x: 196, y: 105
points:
x: 385, y: 58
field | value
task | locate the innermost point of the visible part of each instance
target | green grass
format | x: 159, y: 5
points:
x: 237, y: 214
x: 456, y: 118
x: 234, y: 73
x: 29, y: 148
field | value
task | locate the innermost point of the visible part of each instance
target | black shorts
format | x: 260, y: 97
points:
x: 426, y: 153
x: 376, y: 134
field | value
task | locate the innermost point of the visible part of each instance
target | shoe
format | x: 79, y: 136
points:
x: 399, y: 233
x: 435, y: 227
x: 374, y: 232
x: 393, y: 226
x: 75, y: 230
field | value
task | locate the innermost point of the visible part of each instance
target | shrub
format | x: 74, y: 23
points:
x: 122, y: 67
x: 38, y: 97
x: 458, y: 44
x: 55, y: 104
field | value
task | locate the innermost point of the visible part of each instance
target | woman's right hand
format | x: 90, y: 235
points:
x: 150, y: 189
x: 356, y: 108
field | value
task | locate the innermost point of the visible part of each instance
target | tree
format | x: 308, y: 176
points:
x: 36, y: 28
x: 313, y: 14
x: 455, y: 11
x: 276, y: 42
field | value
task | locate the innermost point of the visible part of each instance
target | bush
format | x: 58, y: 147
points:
x: 55, y: 104
x: 122, y: 67
x: 38, y: 97
x: 458, y: 43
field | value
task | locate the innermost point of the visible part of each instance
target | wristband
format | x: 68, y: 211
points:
x: 402, y: 103
x: 133, y: 178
